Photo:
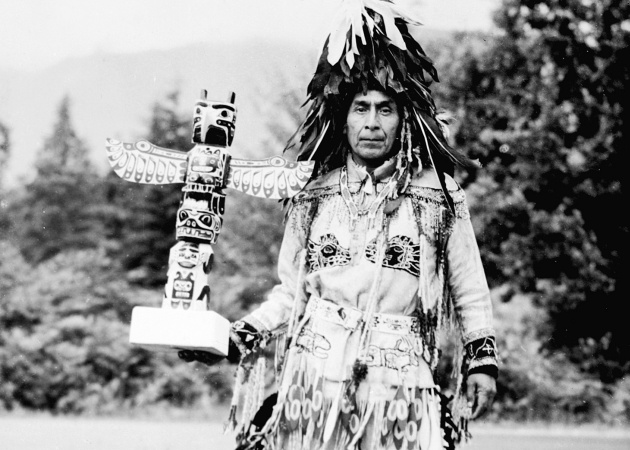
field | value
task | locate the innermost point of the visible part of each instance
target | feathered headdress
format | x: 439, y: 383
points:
x: 370, y: 47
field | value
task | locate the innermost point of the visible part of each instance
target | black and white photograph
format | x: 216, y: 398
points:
x: 314, y: 225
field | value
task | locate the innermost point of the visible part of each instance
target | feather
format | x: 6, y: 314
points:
x: 337, y: 42
x: 439, y: 173
x: 369, y: 42
x: 392, y: 32
x: 388, y: 8
x: 444, y: 119
x: 433, y: 127
x: 319, y: 141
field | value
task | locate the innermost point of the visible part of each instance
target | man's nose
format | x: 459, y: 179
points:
x: 371, y: 121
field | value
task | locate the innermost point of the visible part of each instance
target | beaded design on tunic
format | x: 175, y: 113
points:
x: 326, y: 252
x: 401, y: 254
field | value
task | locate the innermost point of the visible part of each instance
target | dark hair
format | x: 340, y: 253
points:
x: 337, y: 106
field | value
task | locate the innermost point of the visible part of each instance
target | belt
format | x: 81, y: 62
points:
x: 351, y: 318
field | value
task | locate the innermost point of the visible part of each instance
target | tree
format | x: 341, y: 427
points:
x: 546, y: 112
x: 140, y: 219
x: 57, y: 210
x: 64, y: 341
x: 247, y: 250
x: 4, y: 149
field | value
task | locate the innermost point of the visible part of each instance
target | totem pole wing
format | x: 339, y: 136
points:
x: 273, y: 178
x: 143, y: 162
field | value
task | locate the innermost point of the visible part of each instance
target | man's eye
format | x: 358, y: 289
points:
x: 386, y: 111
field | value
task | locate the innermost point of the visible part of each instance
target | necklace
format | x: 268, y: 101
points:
x: 369, y: 210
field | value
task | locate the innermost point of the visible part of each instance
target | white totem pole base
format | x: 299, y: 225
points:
x: 177, y: 329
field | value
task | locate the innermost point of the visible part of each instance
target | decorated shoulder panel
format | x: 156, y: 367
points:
x: 435, y: 197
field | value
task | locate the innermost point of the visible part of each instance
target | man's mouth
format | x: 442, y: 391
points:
x: 369, y: 143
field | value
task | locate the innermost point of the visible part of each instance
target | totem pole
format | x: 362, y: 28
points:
x: 185, y: 320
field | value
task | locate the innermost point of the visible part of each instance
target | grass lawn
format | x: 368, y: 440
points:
x: 49, y: 433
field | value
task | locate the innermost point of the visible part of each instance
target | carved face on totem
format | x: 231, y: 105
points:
x: 213, y: 123
x: 198, y: 221
x: 208, y: 166
x: 183, y: 286
x: 188, y: 255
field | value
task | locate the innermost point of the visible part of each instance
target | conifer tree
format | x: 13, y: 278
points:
x: 5, y: 145
x: 4, y: 150
x: 56, y: 211
x: 141, y: 219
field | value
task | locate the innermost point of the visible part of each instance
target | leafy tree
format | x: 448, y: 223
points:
x: 56, y: 211
x: 246, y: 254
x: 64, y: 335
x: 546, y: 112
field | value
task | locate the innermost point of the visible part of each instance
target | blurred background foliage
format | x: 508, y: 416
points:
x: 542, y: 104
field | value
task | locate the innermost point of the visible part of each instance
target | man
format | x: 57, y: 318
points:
x: 377, y: 257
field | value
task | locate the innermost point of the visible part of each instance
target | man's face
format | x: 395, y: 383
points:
x: 371, y: 127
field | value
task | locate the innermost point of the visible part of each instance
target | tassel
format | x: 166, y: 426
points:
x: 280, y: 354
x: 372, y: 297
x: 435, y: 442
x: 297, y: 295
x: 232, y: 424
x: 321, y: 407
x: 254, y: 396
x: 438, y: 173
x: 424, y: 434
x: 461, y: 410
x: 331, y: 421
x: 311, y: 409
x: 366, y: 415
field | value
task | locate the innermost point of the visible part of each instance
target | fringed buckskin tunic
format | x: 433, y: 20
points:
x: 366, y: 285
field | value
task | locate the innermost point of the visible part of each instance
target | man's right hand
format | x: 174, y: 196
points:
x: 210, y: 359
x: 201, y: 356
x: 245, y: 333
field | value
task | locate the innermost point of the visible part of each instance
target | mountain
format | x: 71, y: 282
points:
x: 112, y: 95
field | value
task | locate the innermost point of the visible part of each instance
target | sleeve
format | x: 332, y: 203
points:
x: 471, y: 297
x: 275, y: 312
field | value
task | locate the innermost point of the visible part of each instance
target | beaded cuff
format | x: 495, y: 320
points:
x: 481, y: 356
x: 245, y: 338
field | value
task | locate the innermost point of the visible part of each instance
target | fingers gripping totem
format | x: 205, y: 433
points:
x: 185, y: 320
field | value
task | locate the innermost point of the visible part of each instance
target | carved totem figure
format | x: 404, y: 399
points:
x: 205, y: 170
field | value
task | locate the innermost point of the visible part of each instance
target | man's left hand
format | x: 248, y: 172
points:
x: 480, y: 392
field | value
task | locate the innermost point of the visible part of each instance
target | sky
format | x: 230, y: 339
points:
x: 38, y: 33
